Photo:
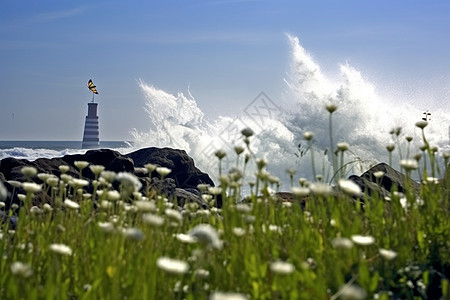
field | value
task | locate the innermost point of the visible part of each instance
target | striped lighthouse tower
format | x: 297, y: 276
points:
x: 91, y: 129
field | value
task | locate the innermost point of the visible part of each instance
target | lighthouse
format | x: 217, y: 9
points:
x: 91, y: 129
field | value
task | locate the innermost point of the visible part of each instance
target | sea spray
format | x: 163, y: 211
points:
x: 363, y: 119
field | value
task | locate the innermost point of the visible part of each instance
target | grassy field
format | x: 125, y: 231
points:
x: 134, y: 245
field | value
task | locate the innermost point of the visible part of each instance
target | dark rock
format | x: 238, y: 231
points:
x: 383, y: 186
x: 184, y: 174
x: 110, y: 159
x: 11, y: 167
x: 11, y: 222
x: 184, y: 171
x: 184, y: 197
x: 289, y: 197
x: 165, y: 187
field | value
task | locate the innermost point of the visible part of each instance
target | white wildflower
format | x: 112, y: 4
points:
x: 201, y: 273
x: 274, y: 228
x: 87, y: 287
x: 53, y: 181
x: 44, y: 176
x: 66, y: 178
x: 378, y: 174
x: 191, y: 206
x: 3, y: 192
x: 282, y: 267
x: 308, y: 135
x: 331, y: 107
x: 80, y: 164
x: 349, y: 187
x: 300, y: 191
x: 150, y: 168
x: 137, y: 196
x: 113, y: 195
x: 64, y: 168
x: 363, y: 240
x: 173, y: 215
x: 220, y: 154
x: 203, y: 187
x: 185, y: 238
x: 61, y: 249
x: 421, y: 124
x: 106, y: 204
x: 109, y: 176
x: 239, y: 149
x: 153, y: 220
x: 238, y: 231
x: 34, y: 210
x: 432, y: 180
x: 409, y: 164
x: 78, y: 183
x: 133, y: 234
x: 21, y: 269
x: 286, y: 204
x: 387, y: 254
x: 320, y: 189
x: 249, y: 219
x: 129, y: 181
x: 342, y: 243
x: 247, y: 132
x: 173, y: 266
x: 206, y: 235
x: 47, y: 207
x: 261, y: 163
x: 145, y: 206
x: 227, y: 296
x: 163, y: 171
x: 106, y: 227
x: 214, y: 190
x: 29, y: 171
x: 97, y: 169
x: 130, y: 208
x: 31, y: 187
x: 343, y: 146
x: 71, y: 204
x: 353, y: 292
x: 243, y: 208
x: 15, y: 183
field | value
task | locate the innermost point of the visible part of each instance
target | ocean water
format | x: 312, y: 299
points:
x: 32, y: 150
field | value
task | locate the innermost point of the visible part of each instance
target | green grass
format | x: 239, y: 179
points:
x: 108, y: 262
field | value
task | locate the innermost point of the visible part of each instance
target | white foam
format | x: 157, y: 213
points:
x: 35, y: 153
x: 363, y: 120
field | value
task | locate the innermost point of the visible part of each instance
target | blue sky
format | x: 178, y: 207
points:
x: 225, y: 51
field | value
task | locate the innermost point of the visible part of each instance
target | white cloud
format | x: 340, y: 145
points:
x: 56, y: 15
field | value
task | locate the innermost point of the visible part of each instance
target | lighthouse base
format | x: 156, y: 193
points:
x: 91, y: 129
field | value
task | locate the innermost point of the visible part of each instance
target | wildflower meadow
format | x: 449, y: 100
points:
x: 331, y: 241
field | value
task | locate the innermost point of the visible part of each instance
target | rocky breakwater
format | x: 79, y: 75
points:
x: 379, y: 181
x: 179, y: 185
